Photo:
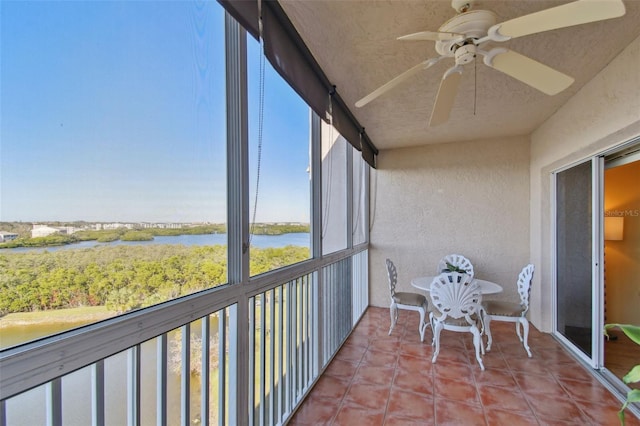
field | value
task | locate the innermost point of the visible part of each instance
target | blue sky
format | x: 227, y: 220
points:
x: 115, y: 111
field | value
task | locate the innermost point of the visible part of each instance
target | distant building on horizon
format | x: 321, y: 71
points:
x: 7, y: 236
x: 46, y: 230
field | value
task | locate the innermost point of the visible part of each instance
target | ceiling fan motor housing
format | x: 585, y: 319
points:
x: 473, y: 24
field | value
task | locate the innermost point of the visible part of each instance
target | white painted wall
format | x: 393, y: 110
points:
x: 470, y: 198
x: 604, y: 113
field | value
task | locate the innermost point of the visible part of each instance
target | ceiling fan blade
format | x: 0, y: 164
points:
x: 446, y: 96
x: 397, y: 80
x: 566, y: 15
x: 527, y: 70
x: 430, y: 35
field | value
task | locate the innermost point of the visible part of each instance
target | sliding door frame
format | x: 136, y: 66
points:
x: 598, y: 166
x: 597, y: 289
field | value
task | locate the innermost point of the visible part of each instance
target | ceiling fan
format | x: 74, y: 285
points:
x: 466, y: 35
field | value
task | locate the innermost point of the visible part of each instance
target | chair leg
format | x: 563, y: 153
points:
x: 437, y: 327
x: 393, y: 311
x: 433, y: 325
x: 423, y: 325
x: 525, y: 329
x: 477, y: 342
x: 487, y: 331
x: 518, y: 330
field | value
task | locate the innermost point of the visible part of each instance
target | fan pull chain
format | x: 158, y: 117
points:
x: 475, y: 85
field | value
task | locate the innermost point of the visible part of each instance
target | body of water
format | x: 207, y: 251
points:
x: 260, y: 241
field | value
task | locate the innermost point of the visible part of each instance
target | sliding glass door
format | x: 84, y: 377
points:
x: 575, y: 259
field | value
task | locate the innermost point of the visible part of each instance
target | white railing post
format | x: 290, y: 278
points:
x: 97, y: 393
x: 54, y: 402
x: 133, y: 386
x: 205, y: 366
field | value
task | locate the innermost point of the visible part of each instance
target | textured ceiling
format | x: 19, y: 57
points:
x: 355, y: 43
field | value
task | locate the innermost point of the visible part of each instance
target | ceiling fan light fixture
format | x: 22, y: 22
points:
x: 465, y: 54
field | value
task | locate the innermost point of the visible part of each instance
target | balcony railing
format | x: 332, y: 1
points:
x: 179, y: 362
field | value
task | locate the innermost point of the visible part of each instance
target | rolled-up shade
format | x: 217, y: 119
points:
x: 291, y: 58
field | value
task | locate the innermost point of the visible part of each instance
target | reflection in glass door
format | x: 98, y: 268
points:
x: 574, y: 256
x: 622, y: 257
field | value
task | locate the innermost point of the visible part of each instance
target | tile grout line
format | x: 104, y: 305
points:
x: 351, y: 381
x: 393, y: 379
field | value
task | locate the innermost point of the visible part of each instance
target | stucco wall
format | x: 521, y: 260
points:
x: 604, y: 113
x: 470, y: 198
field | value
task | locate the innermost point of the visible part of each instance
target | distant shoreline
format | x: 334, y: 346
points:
x: 258, y: 241
x: 137, y: 232
x: 57, y: 316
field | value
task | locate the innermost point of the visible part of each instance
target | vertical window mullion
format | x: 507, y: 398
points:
x: 238, y: 207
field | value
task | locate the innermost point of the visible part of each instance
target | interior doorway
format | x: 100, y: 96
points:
x: 621, y: 197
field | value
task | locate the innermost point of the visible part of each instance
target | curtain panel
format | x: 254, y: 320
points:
x: 291, y: 58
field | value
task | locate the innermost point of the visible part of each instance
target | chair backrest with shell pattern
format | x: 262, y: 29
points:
x: 392, y: 274
x: 457, y: 260
x: 524, y: 285
x: 456, y: 295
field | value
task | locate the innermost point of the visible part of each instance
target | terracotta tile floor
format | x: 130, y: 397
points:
x: 378, y: 379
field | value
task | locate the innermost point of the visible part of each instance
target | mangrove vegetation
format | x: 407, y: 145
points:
x: 122, y: 278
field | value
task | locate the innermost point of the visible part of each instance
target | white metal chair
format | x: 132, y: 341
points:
x: 405, y: 300
x: 457, y: 298
x: 456, y: 260
x: 494, y: 310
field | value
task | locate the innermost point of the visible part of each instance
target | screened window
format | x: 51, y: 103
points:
x: 334, y: 190
x: 279, y: 169
x: 113, y: 159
